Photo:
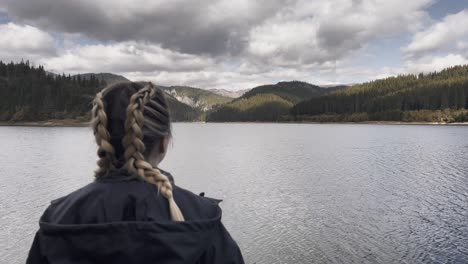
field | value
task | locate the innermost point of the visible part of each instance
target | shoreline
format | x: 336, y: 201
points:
x: 389, y: 123
x: 76, y: 123
x: 48, y: 123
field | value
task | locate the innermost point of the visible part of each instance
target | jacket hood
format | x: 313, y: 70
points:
x: 128, y: 242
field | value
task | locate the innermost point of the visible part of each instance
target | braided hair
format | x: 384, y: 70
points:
x: 128, y: 134
x: 106, y: 151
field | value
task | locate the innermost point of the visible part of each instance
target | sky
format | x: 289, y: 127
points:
x: 237, y: 44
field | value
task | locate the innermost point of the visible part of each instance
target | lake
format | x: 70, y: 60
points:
x: 293, y: 193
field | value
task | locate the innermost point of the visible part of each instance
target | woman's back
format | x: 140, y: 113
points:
x: 122, y: 219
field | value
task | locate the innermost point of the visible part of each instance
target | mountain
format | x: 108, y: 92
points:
x: 433, y: 97
x: 266, y: 102
x: 227, y: 93
x: 109, y: 78
x: 203, y: 100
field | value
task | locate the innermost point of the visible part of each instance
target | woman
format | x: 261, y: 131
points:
x: 132, y: 212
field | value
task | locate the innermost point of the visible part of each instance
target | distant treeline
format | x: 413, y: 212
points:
x: 439, y: 96
x: 29, y: 93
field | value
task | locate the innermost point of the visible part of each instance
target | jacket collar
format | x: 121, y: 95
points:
x: 122, y: 174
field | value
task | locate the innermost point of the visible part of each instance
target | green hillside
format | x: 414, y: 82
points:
x: 294, y: 91
x: 439, y: 96
x: 259, y: 107
x: 266, y: 102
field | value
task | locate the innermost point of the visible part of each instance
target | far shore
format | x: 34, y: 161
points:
x: 49, y: 123
x: 76, y: 123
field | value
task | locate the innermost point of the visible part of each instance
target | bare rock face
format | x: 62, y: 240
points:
x: 201, y: 99
x: 228, y: 93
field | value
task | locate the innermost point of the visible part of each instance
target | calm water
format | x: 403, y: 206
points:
x: 292, y: 193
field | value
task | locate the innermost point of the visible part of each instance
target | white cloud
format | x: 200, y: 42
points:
x: 434, y: 63
x: 440, y: 45
x: 311, y: 32
x: 24, y: 42
x: 202, y: 27
x: 441, y: 35
x: 124, y: 57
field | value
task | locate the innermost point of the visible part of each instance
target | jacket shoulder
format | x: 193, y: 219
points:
x: 60, y: 208
x: 195, y: 207
x: 99, y: 202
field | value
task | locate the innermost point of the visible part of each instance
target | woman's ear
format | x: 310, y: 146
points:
x: 163, y: 144
x: 158, y: 153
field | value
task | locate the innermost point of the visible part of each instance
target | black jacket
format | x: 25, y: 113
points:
x: 122, y: 219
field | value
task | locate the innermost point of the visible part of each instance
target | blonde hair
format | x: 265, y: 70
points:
x: 132, y: 142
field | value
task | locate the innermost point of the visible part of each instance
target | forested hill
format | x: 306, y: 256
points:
x: 267, y: 102
x: 434, y: 97
x: 29, y: 93
x: 294, y: 91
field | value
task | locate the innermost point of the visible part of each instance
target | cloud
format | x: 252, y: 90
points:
x: 299, y: 31
x: 443, y: 34
x: 441, y: 44
x: 24, y: 42
x: 205, y: 27
x: 316, y: 32
x: 435, y: 63
x: 124, y: 57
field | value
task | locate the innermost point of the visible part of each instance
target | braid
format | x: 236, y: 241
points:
x: 105, y: 151
x: 134, y: 148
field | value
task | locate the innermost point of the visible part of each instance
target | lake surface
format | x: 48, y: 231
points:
x: 293, y: 193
